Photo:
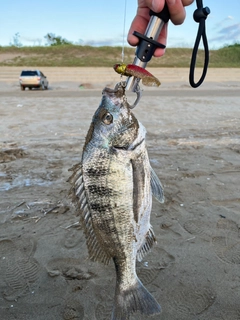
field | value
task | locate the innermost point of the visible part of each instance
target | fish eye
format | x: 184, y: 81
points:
x: 107, y: 118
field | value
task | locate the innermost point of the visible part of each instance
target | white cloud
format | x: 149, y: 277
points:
x: 229, y: 34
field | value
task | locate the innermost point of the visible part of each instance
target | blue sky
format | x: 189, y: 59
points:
x: 100, y: 22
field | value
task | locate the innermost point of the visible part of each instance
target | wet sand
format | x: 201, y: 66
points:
x: 193, y: 141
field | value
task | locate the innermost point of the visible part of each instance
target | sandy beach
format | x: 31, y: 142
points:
x: 193, y: 139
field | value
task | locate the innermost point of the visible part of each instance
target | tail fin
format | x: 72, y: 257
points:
x: 135, y: 299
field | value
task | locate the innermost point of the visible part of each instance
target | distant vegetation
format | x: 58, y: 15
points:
x: 67, y: 55
x: 54, y: 40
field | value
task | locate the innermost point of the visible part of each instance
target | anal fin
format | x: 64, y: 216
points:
x: 147, y: 245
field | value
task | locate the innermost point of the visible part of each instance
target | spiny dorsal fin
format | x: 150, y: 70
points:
x: 79, y: 197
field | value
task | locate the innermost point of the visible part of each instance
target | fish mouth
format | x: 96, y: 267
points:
x: 118, y: 91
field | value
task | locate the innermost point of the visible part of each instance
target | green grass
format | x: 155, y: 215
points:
x: 86, y: 56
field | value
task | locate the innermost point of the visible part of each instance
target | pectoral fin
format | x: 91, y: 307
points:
x: 139, y: 180
x: 156, y: 186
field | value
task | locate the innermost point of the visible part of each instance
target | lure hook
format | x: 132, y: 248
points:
x: 139, y: 95
x: 137, y: 90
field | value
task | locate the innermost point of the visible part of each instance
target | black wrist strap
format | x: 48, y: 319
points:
x: 200, y: 16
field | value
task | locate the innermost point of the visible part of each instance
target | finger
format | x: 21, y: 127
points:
x: 176, y: 10
x: 139, y: 24
x: 133, y: 40
x: 155, y: 5
x: 162, y: 39
x: 187, y: 2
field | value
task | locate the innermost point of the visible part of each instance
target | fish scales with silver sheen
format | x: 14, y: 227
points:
x: 113, y: 187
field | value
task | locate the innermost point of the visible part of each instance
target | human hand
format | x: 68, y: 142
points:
x: 140, y: 22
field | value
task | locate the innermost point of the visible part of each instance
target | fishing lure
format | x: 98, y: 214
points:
x: 132, y: 70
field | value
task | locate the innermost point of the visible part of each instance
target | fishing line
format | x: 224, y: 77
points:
x: 124, y: 25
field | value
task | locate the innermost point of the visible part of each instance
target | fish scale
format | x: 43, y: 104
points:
x: 108, y: 212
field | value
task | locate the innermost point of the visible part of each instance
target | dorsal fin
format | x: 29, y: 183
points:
x: 79, y: 197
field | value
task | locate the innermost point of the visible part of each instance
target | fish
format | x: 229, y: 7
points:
x: 130, y: 70
x: 112, y: 188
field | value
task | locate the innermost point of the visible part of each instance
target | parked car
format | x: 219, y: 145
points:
x: 33, y: 79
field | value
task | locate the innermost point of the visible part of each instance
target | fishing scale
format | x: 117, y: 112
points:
x: 148, y: 44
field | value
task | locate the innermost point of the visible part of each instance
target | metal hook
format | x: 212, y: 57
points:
x: 138, y: 91
x: 120, y: 90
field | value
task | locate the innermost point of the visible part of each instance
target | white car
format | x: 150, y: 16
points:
x: 33, y: 79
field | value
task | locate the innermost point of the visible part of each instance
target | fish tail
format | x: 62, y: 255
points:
x: 132, y: 300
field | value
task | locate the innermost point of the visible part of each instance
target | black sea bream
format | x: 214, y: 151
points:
x: 113, y: 187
